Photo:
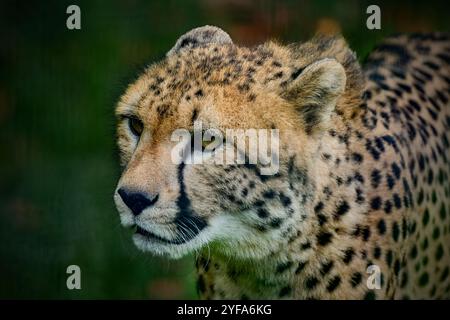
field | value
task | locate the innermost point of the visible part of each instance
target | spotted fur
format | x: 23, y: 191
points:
x: 364, y: 167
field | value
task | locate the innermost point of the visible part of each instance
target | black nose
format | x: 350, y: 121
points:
x: 137, y: 201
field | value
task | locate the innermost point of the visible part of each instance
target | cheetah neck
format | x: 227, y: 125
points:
x: 321, y: 226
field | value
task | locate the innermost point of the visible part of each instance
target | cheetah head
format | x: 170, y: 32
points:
x: 176, y: 208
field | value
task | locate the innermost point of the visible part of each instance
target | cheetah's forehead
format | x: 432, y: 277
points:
x: 192, y: 73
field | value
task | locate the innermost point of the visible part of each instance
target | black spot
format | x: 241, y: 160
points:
x: 326, y: 267
x: 396, y: 267
x: 390, y: 181
x: 423, y: 280
x: 404, y: 280
x: 396, y: 170
x: 356, y: 279
x: 285, y: 200
x: 276, y: 222
x: 318, y: 207
x: 370, y: 295
x: 395, y: 231
x: 442, y: 212
x: 375, y: 203
x: 381, y: 226
x: 377, y: 252
x: 285, y: 291
x: 413, y: 253
x: 414, y: 104
x: 404, y: 228
x: 430, y: 177
x: 342, y: 208
x: 278, y: 75
x: 421, y: 161
x: 436, y: 233
x: 376, y: 77
x: 199, y: 93
x: 388, y: 206
x: 445, y: 58
x: 348, y: 255
x: 334, y: 283
x: 411, y: 131
x: 359, y: 196
x: 389, y: 257
x: 420, y: 197
x: 262, y: 213
x: 311, y: 283
x: 324, y: 238
x: 283, y: 267
x: 425, y: 244
x: 426, y: 217
x: 376, y: 178
x: 259, y: 203
x: 374, y: 152
x: 357, y: 157
x: 379, y: 144
x: 269, y: 194
x: 359, y: 177
x: 322, y: 219
x: 366, y: 233
x: 412, y: 227
x: 276, y: 64
x: 439, y: 252
x: 306, y: 245
x: 445, y: 274
x: 261, y: 228
x: 301, y: 266
x: 397, y: 201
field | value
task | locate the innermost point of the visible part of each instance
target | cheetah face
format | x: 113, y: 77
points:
x: 176, y: 208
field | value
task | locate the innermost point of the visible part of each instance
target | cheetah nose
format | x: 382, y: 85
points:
x: 137, y: 201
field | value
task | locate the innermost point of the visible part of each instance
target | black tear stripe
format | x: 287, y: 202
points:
x: 185, y: 218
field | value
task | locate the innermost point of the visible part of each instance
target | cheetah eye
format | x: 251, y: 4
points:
x: 205, y: 144
x: 136, y: 126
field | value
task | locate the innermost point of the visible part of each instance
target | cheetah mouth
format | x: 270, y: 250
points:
x: 154, y: 237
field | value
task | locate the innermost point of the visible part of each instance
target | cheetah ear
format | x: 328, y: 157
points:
x: 200, y: 36
x: 315, y: 90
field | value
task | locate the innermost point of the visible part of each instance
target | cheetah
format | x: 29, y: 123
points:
x: 362, y: 190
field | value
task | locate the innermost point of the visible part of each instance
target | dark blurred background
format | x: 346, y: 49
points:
x: 58, y: 167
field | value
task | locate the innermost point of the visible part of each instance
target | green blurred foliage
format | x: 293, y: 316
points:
x: 58, y: 163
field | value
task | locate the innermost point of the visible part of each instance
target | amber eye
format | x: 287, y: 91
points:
x: 136, y: 126
x: 205, y: 144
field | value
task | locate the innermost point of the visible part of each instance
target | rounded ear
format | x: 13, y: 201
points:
x: 200, y: 36
x: 315, y: 90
